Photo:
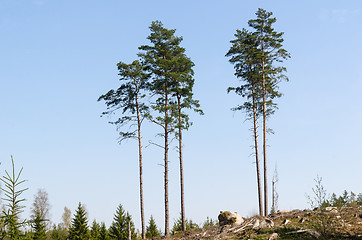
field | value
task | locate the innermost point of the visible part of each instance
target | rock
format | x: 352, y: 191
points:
x: 314, y: 233
x: 334, y: 211
x: 266, y: 223
x: 273, y: 236
x: 309, y: 231
x: 256, y: 224
x: 303, y: 219
x: 328, y: 209
x: 285, y: 222
x: 230, y: 218
x: 283, y: 211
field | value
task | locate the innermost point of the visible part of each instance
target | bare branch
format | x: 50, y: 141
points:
x: 157, y: 145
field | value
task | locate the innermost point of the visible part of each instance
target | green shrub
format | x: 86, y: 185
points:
x: 209, y: 223
x: 177, y: 227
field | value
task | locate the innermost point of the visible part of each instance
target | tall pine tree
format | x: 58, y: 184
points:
x: 160, y: 57
x: 182, y: 90
x: 270, y: 52
x: 172, y: 83
x: 243, y: 54
x: 255, y: 56
x: 129, y: 99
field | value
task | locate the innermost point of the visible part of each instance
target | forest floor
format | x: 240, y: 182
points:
x: 329, y: 223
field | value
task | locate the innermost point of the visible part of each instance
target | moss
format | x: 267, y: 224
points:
x: 226, y: 214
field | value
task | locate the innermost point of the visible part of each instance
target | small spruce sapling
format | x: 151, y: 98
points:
x: 13, y: 208
x: 152, y: 229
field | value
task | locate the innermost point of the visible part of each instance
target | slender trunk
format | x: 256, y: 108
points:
x: 273, y: 195
x: 167, y: 231
x: 141, y: 172
x: 265, y: 159
x: 264, y: 136
x: 257, y: 155
x: 181, y: 165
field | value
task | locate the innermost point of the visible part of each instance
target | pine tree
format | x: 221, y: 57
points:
x: 79, y: 229
x: 255, y: 55
x: 119, y: 228
x: 243, y: 54
x: 271, y: 51
x: 152, y: 230
x: 160, y: 58
x: 182, y: 90
x: 128, y: 98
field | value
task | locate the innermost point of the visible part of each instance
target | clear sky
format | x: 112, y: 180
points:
x: 58, y: 57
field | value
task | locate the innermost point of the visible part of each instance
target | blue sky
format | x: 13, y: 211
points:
x: 58, y: 57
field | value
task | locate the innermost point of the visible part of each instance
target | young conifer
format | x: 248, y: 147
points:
x: 38, y: 225
x: 95, y: 230
x: 103, y: 232
x: 152, y: 230
x: 79, y: 229
x: 13, y: 208
x: 122, y: 223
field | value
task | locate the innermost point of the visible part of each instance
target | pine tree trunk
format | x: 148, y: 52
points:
x: 167, y: 230
x: 183, y: 225
x: 141, y: 172
x: 257, y: 155
x: 273, y: 196
x: 264, y: 146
